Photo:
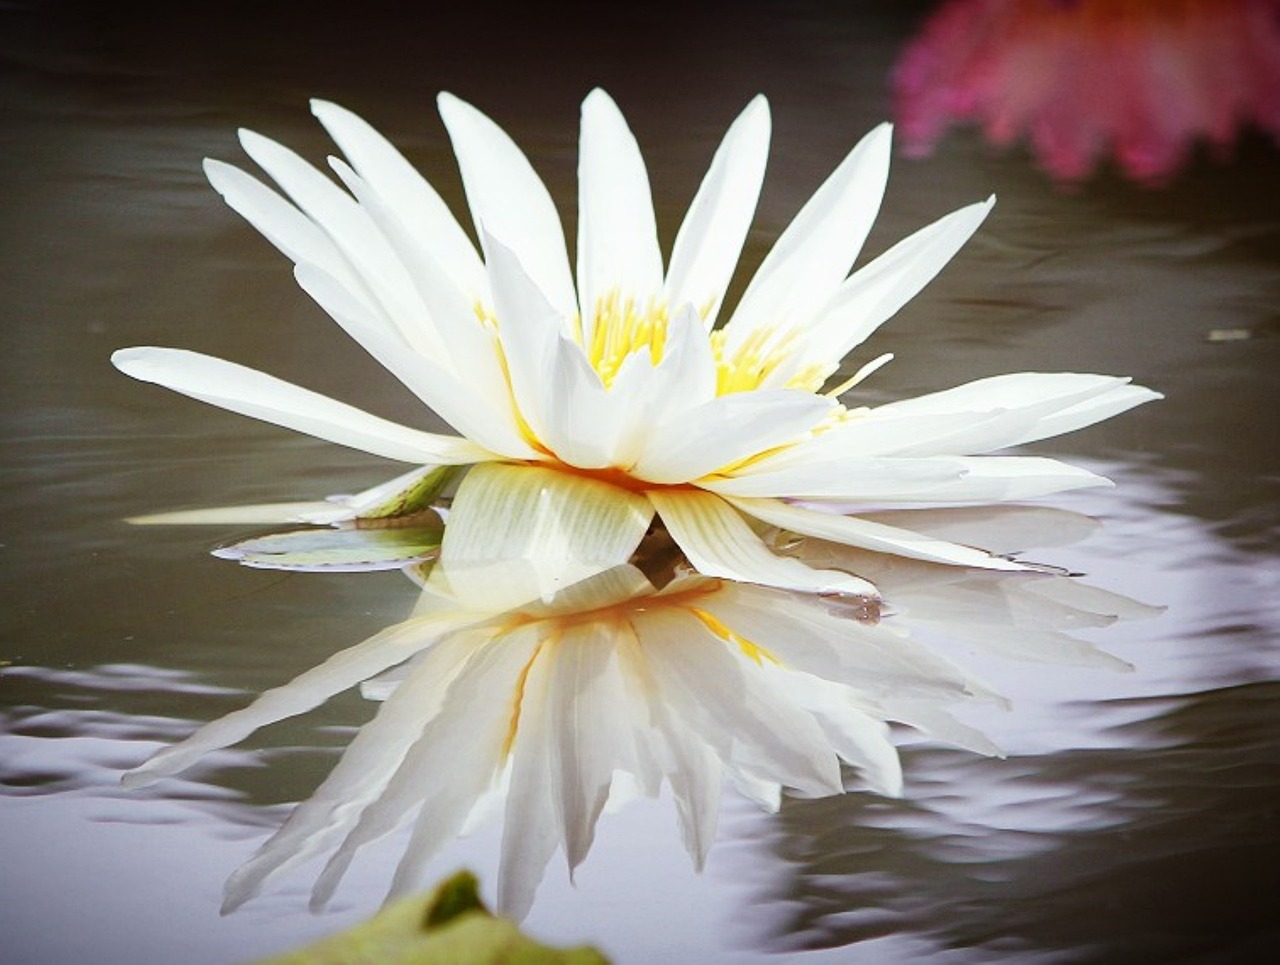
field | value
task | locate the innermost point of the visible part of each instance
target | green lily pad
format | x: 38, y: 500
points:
x: 449, y: 926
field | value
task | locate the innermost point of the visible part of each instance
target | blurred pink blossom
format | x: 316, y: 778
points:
x: 1141, y: 81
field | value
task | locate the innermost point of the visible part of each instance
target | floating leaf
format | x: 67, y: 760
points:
x: 348, y: 550
x: 449, y: 926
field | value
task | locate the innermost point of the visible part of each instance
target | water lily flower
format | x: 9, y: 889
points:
x: 554, y: 709
x: 1083, y: 80
x: 623, y: 373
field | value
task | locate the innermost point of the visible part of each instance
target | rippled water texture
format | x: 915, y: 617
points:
x: 1137, y: 816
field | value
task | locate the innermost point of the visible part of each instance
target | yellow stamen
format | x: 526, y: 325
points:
x: 622, y: 328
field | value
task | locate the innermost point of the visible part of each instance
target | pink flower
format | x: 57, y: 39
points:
x: 1141, y: 81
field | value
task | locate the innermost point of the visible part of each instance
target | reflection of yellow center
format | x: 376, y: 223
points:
x: 753, y: 651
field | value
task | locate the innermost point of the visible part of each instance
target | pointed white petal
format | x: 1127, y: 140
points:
x: 569, y: 526
x: 841, y: 477
x: 710, y: 239
x: 360, y: 775
x: 529, y: 327
x: 645, y: 395
x: 735, y: 705
x: 471, y: 350
x: 421, y: 210
x: 872, y: 536
x: 813, y: 256
x: 875, y: 292
x: 859, y: 738
x: 509, y: 200
x: 351, y: 229
x: 340, y: 672
x: 260, y: 396
x: 718, y: 542
x: 450, y: 397
x: 530, y: 834
x: 730, y: 428
x: 590, y: 729
x: 454, y: 760
x: 1023, y: 406
x: 618, y: 249
x: 296, y: 235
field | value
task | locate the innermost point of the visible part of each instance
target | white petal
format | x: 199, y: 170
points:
x: 875, y: 292
x: 569, y: 526
x: 509, y: 200
x: 352, y: 230
x: 260, y: 396
x: 453, y: 761
x: 471, y: 349
x: 580, y: 417
x: 530, y: 833
x: 853, y: 531
x: 645, y: 395
x: 814, y: 255
x: 718, y: 542
x: 618, y: 249
x: 1026, y: 406
x: 734, y: 705
x: 728, y: 429
x: 451, y: 398
x: 849, y: 477
x: 338, y: 673
x: 859, y: 738
x: 296, y: 235
x: 529, y: 327
x: 590, y: 729
x: 421, y: 210
x: 710, y: 239
x: 360, y: 775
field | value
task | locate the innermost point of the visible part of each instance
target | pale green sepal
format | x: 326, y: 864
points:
x: 449, y: 926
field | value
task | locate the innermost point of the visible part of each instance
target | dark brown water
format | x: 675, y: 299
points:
x: 1137, y: 817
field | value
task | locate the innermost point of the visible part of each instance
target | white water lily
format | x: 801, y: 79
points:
x: 627, y: 377
x: 554, y: 710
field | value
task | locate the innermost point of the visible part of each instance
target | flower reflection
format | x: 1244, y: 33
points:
x: 1139, y: 81
x: 618, y: 373
x: 556, y: 706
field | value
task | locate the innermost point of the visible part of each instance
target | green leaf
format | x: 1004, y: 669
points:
x: 449, y: 926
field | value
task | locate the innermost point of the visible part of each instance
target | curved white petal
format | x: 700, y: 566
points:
x: 853, y: 531
x: 735, y: 706
x: 568, y: 526
x: 298, y: 237
x: 618, y: 249
x: 420, y: 208
x: 465, y: 345
x: 710, y: 239
x: 693, y: 443
x: 509, y: 200
x: 476, y: 714
x: 352, y: 230
x: 646, y: 395
x: 718, y: 542
x: 814, y: 254
x: 1030, y: 406
x: 580, y: 417
x: 851, y: 478
x: 360, y: 775
x: 469, y: 412
x: 261, y: 396
x: 529, y: 327
x: 340, y: 672
x: 876, y: 291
